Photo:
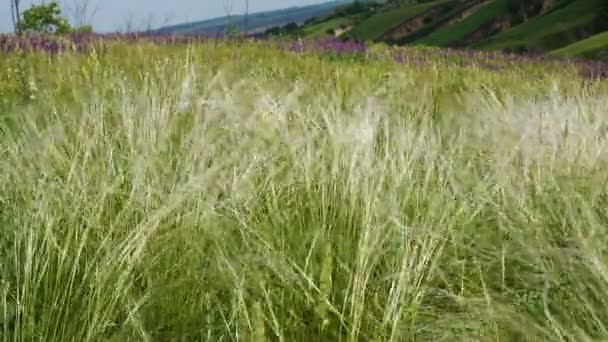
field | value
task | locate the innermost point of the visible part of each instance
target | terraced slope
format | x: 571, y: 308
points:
x: 377, y: 25
x: 566, y: 27
x: 449, y: 35
x: 431, y: 21
x: 576, y: 21
x: 595, y: 46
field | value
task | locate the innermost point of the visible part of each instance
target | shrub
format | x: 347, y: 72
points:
x: 43, y: 18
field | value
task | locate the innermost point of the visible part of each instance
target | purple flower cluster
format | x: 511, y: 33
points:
x: 593, y: 69
x: 495, y: 60
x: 419, y: 57
x: 322, y: 46
x: 82, y: 43
x: 10, y: 44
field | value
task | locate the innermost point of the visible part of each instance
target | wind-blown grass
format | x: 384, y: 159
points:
x: 221, y: 193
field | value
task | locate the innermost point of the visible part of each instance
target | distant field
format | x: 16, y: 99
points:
x: 320, y: 29
x: 447, y: 35
x: 539, y: 31
x: 256, y: 21
x: 245, y: 190
x: 594, y: 46
x: 380, y: 23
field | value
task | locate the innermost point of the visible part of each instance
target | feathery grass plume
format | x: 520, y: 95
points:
x: 292, y: 190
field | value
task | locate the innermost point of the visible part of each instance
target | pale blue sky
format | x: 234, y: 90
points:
x: 113, y: 15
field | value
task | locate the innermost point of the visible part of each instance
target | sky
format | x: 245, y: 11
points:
x: 113, y: 15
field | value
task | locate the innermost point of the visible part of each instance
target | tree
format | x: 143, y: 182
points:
x: 43, y: 18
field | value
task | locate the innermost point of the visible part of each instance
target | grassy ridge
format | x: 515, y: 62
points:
x: 594, y: 46
x: 221, y: 192
x: 319, y: 30
x: 500, y: 24
x: 452, y: 33
x: 378, y: 24
x: 446, y: 15
x: 539, y: 31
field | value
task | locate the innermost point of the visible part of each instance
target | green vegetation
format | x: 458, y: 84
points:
x: 380, y: 23
x: 338, y: 18
x: 452, y: 33
x: 513, y: 25
x: 551, y: 30
x: 43, y: 18
x: 595, y: 46
x: 321, y: 29
x: 445, y: 14
x: 233, y: 192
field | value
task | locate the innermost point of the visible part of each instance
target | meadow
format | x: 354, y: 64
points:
x: 158, y: 189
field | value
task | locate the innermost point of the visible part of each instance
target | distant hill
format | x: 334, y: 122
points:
x: 560, y: 27
x: 257, y: 21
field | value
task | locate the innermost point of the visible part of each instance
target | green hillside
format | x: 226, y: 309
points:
x: 553, y: 30
x: 321, y: 29
x: 595, y: 46
x: 566, y: 27
x: 446, y: 36
x: 378, y: 24
x: 432, y: 21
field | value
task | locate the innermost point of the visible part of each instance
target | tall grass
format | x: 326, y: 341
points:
x: 217, y: 193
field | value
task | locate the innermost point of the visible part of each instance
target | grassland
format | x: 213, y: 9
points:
x: 547, y: 32
x: 380, y: 23
x: 232, y: 192
x: 595, y: 46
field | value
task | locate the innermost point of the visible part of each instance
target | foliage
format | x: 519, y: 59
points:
x: 84, y: 29
x: 43, y: 18
x: 514, y: 6
x: 287, y: 29
x: 232, y: 29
